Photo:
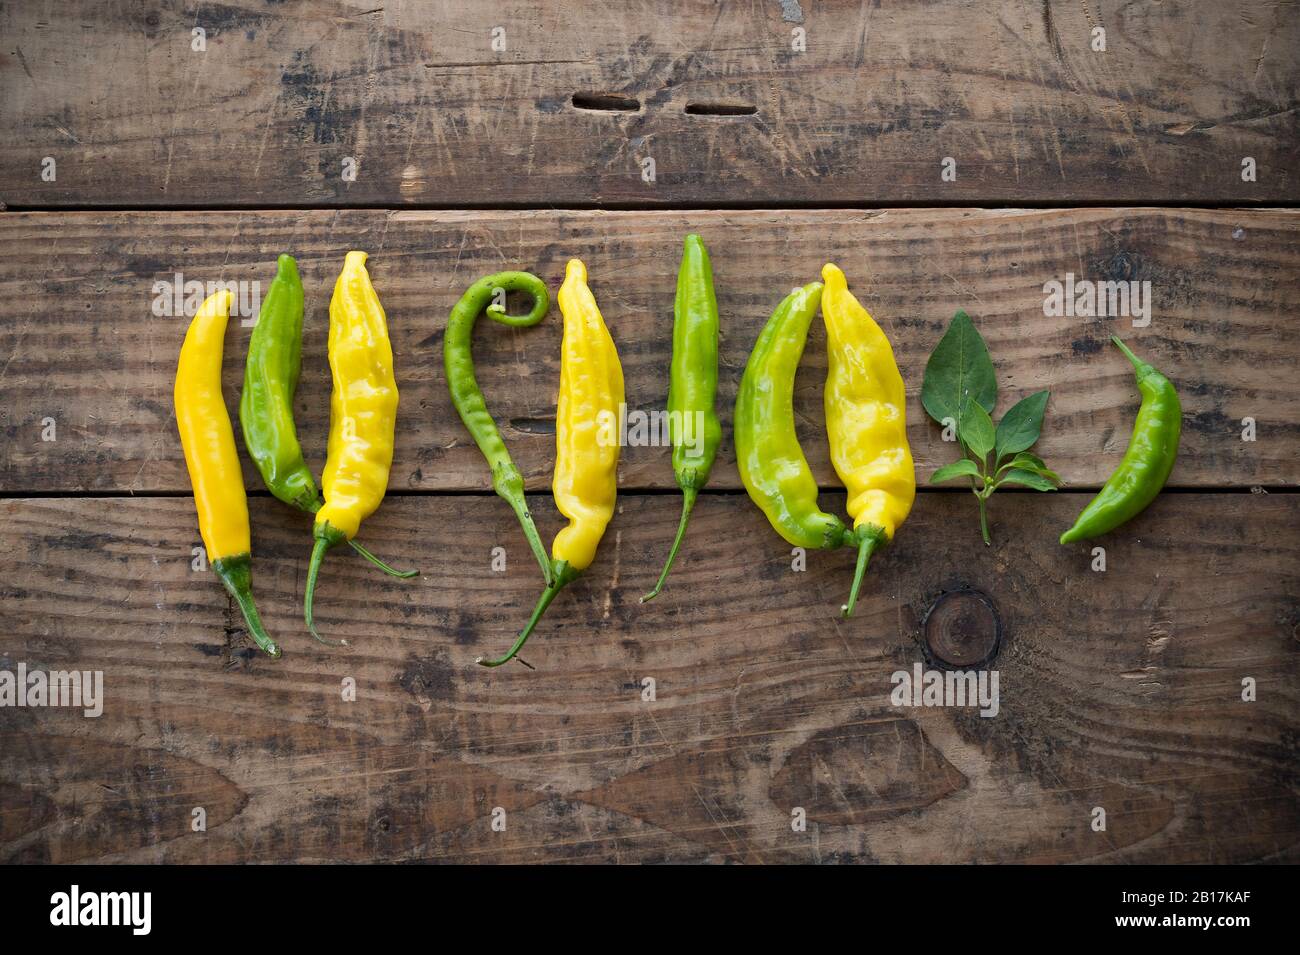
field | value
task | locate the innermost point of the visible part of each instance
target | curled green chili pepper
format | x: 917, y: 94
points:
x: 772, y: 464
x: 266, y: 404
x: 692, y: 421
x: 466, y: 395
x: 1147, y: 462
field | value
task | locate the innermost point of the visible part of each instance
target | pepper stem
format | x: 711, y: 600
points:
x: 563, y: 576
x: 392, y: 572
x: 535, y: 544
x: 689, y: 495
x: 325, y: 539
x: 869, y: 538
x: 984, y: 519
x: 236, y: 576
x: 1134, y: 359
x: 315, y: 504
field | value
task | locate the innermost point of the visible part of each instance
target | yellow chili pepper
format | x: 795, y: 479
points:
x: 865, y: 421
x: 209, y: 444
x: 586, y: 423
x: 363, y: 416
x: 587, y: 441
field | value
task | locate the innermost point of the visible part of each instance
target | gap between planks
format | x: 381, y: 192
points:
x: 720, y: 205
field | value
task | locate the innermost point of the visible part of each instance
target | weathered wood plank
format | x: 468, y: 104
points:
x: 79, y: 345
x: 1119, y: 689
x: 415, y: 92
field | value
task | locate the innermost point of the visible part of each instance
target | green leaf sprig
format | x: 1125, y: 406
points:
x: 960, y: 391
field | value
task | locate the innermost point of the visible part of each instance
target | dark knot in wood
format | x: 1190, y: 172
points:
x: 962, y: 629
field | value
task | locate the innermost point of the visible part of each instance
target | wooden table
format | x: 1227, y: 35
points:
x: 497, y: 135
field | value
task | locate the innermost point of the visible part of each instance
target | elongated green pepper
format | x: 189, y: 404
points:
x: 692, y: 420
x: 1147, y: 462
x: 772, y: 464
x: 270, y: 381
x: 458, y: 359
x: 266, y: 404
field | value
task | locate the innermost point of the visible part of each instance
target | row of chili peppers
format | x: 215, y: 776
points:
x: 363, y: 416
x: 864, y: 405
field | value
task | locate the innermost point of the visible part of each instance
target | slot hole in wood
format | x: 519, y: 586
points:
x: 720, y: 109
x: 606, y: 102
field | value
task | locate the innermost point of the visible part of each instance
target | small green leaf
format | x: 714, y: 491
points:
x: 1019, y: 427
x: 963, y: 468
x: 1028, y: 462
x: 975, y: 428
x: 1028, y: 479
x: 1032, y: 462
x: 958, y: 371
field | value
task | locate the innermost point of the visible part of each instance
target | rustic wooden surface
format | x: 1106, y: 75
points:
x: 1119, y: 689
x: 80, y: 344
x: 413, y: 90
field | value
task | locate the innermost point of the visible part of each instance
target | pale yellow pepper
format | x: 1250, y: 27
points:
x: 363, y: 406
x: 866, y: 420
x: 363, y: 416
x: 208, y: 441
x: 587, y: 440
x: 586, y: 423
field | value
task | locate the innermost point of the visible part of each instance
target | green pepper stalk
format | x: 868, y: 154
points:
x: 1147, y: 462
x: 771, y: 462
x: 693, y: 386
x: 458, y: 359
x: 236, y: 575
x: 867, y: 539
x: 562, y: 574
x: 324, y: 537
x: 266, y: 404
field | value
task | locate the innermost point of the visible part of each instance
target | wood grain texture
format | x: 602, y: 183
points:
x: 78, y: 342
x: 414, y: 91
x: 1120, y: 690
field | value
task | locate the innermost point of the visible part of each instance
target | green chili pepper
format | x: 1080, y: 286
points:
x: 270, y: 380
x: 266, y: 405
x: 772, y: 464
x: 692, y: 421
x: 1147, y: 462
x: 458, y: 359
